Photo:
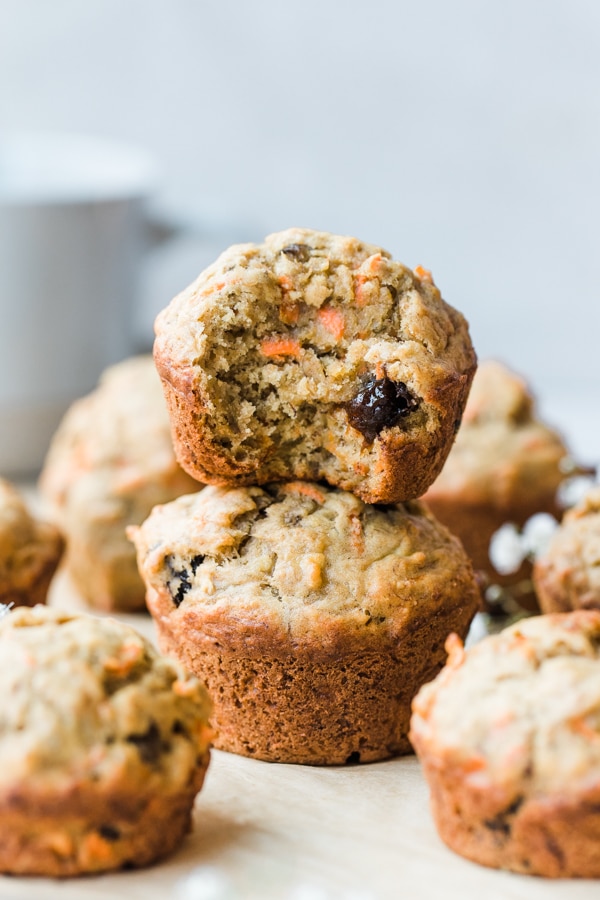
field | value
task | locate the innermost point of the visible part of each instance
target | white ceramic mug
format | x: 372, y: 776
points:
x: 73, y: 229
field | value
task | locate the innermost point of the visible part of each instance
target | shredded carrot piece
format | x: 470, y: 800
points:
x: 332, y: 321
x: 580, y: 726
x: 357, y: 535
x: 455, y: 649
x: 217, y: 286
x: 423, y: 274
x: 379, y: 371
x: 359, y: 294
x: 286, y: 283
x: 289, y: 312
x: 130, y: 655
x: 95, y: 848
x: 301, y: 487
x: 474, y: 764
x: 373, y: 262
x: 184, y: 688
x: 280, y: 347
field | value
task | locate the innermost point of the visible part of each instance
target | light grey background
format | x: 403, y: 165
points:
x: 463, y: 136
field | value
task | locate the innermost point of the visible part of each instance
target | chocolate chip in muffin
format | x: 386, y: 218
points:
x: 150, y: 744
x: 300, y: 252
x: 380, y: 404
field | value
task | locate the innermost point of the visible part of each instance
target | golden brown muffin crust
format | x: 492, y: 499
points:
x: 509, y: 738
x: 103, y: 745
x: 312, y: 616
x: 314, y: 356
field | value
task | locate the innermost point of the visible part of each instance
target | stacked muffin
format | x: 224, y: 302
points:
x: 316, y: 385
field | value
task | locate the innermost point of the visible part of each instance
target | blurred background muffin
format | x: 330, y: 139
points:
x: 506, y: 465
x: 30, y: 550
x: 566, y: 574
x: 109, y: 463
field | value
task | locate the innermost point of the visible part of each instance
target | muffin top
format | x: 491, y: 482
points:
x: 502, y: 450
x: 316, y: 349
x: 519, y: 712
x: 26, y: 544
x: 303, y: 560
x: 567, y: 573
x: 115, y: 443
x: 89, y: 698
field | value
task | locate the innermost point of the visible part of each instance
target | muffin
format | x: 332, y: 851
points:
x: 505, y: 467
x: 109, y: 463
x: 509, y: 738
x: 318, y: 357
x: 103, y: 745
x: 311, y: 616
x: 30, y: 551
x: 567, y: 574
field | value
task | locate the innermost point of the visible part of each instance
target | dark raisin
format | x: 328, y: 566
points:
x: 180, y: 582
x: 393, y: 291
x: 502, y: 822
x: 380, y: 404
x: 149, y: 744
x: 353, y: 759
x: 195, y: 562
x: 109, y: 832
x: 300, y: 252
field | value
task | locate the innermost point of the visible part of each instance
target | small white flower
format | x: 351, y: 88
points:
x: 572, y: 490
x: 537, y: 532
x: 506, y: 549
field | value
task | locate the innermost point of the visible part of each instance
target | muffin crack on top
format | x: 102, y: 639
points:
x: 318, y: 357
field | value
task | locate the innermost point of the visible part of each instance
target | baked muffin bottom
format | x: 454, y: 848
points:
x: 83, y: 828
x: 555, y: 838
x: 300, y: 702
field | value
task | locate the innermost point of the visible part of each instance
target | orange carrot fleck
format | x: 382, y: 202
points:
x: 379, y: 371
x: 286, y: 283
x: 373, y: 262
x: 123, y: 664
x: 474, y: 764
x: 280, y: 347
x: 580, y: 726
x: 332, y: 321
x: 357, y: 535
x: 95, y: 849
x: 423, y: 274
x: 359, y: 294
x: 184, y: 688
x: 309, y: 490
x: 217, y: 286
